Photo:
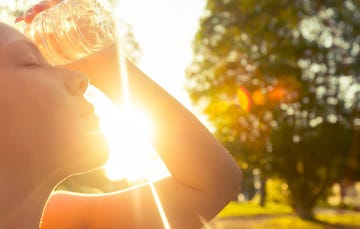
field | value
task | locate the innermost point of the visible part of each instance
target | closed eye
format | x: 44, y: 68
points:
x: 27, y: 54
x: 28, y: 59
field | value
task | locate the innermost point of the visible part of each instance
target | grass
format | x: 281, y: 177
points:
x: 279, y: 216
x: 234, y: 209
x: 349, y: 218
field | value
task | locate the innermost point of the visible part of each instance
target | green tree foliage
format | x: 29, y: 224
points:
x: 299, y: 64
x: 11, y: 9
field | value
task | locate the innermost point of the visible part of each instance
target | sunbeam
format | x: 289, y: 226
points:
x: 127, y: 102
x: 128, y: 132
x: 159, y: 205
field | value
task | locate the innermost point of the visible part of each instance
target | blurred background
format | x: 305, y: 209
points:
x: 277, y: 82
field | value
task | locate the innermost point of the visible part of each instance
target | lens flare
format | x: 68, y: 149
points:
x: 160, y: 207
x: 244, y: 99
x: 128, y: 132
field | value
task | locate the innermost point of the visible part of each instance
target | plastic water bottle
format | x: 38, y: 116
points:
x: 71, y: 30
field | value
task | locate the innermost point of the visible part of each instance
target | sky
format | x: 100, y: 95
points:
x: 164, y: 29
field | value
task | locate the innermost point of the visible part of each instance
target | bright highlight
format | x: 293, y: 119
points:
x: 244, y: 98
x: 128, y: 131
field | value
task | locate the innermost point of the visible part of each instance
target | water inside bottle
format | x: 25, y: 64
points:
x: 71, y: 30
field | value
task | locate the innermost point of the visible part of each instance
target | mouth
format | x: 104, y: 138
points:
x: 90, y: 119
x: 92, y: 123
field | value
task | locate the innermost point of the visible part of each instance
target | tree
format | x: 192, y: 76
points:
x: 10, y: 10
x: 299, y: 63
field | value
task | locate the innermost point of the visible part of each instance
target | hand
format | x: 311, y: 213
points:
x: 29, y: 15
x: 102, y: 68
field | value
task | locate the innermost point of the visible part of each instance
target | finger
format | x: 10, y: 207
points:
x: 20, y: 18
x: 56, y: 1
x: 33, y: 11
x: 53, y: 2
x: 41, y: 6
x: 29, y: 16
x: 28, y: 11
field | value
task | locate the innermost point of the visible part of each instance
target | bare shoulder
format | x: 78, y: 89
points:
x: 65, y: 210
x: 154, y: 204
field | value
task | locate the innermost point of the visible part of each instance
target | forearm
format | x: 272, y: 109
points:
x: 185, y: 145
x: 103, y: 71
x: 204, y: 176
x: 191, y: 153
x: 189, y: 150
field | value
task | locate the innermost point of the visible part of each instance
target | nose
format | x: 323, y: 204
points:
x: 76, y: 83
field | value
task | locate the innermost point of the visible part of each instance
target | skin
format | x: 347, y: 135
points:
x: 204, y: 178
x: 48, y: 130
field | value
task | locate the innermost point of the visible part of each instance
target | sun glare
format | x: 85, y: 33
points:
x: 128, y: 131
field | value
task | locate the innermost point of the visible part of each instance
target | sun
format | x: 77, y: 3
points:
x: 128, y: 131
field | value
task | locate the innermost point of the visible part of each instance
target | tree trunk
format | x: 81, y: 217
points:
x: 263, y: 191
x: 342, y: 192
x: 303, y: 208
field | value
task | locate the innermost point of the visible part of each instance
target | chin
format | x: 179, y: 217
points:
x: 92, y: 154
x: 98, y: 153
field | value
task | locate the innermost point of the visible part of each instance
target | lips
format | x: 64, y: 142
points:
x: 92, y: 122
x: 88, y: 108
x: 90, y: 119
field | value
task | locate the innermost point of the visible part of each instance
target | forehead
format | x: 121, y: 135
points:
x: 9, y: 35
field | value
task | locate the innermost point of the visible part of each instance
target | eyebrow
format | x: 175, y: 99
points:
x: 32, y: 45
x: 19, y: 46
x: 26, y: 44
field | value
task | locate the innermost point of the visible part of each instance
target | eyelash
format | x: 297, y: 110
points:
x: 29, y: 60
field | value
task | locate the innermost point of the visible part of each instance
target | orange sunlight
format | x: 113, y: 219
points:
x: 128, y: 133
x: 244, y: 99
x: 127, y: 130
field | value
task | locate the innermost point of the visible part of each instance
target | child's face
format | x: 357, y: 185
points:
x: 45, y: 123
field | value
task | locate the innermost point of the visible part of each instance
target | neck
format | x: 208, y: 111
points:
x: 22, y: 200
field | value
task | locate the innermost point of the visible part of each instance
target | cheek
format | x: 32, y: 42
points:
x: 26, y: 133
x: 74, y: 146
x: 55, y: 141
x: 42, y: 122
x: 61, y: 130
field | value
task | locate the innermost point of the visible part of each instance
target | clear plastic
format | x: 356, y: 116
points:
x: 71, y: 30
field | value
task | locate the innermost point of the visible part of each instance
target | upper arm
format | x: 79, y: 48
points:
x: 183, y: 206
x: 65, y: 210
x: 204, y: 176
